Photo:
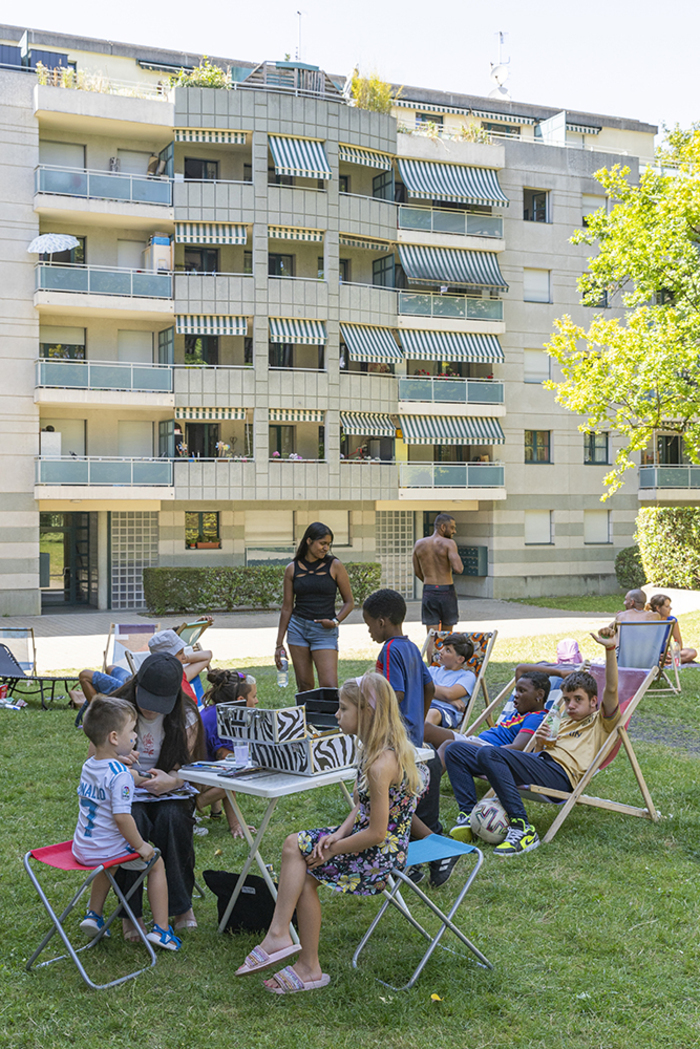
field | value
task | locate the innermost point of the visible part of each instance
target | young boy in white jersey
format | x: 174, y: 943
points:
x: 106, y: 829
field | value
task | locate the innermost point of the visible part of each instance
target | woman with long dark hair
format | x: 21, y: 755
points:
x: 169, y: 734
x: 312, y: 582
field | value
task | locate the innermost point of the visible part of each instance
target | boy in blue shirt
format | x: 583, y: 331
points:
x: 454, y: 682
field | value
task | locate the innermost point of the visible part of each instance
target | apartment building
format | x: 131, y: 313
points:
x: 277, y: 308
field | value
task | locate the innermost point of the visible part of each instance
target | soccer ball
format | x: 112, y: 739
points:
x: 489, y: 821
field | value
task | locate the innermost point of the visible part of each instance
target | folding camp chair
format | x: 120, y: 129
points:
x: 644, y: 646
x: 12, y: 674
x: 483, y: 646
x: 426, y: 850
x: 22, y: 645
x: 133, y: 637
x: 60, y: 857
x: 632, y: 684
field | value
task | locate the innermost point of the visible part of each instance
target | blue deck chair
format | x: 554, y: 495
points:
x: 644, y: 646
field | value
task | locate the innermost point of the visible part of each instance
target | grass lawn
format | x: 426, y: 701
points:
x: 607, y: 604
x: 594, y: 938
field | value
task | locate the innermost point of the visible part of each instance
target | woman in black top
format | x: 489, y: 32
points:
x: 308, y: 617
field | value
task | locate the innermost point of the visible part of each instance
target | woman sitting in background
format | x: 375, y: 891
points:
x: 661, y: 604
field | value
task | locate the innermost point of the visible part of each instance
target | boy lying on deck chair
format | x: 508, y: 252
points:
x: 559, y: 763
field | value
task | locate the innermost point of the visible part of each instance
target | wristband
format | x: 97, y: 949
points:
x: 336, y: 622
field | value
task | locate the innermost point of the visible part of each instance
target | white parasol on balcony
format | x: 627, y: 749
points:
x: 48, y: 243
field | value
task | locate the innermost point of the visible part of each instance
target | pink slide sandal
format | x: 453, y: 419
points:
x: 287, y: 981
x: 258, y: 960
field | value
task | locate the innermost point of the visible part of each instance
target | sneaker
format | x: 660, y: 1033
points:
x: 441, y: 870
x: 92, y: 923
x: 462, y: 830
x: 164, y: 938
x: 415, y: 873
x: 521, y: 837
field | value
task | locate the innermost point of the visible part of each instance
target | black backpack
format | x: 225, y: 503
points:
x: 254, y: 907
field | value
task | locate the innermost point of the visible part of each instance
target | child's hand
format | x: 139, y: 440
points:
x: 131, y: 758
x: 321, y: 852
x: 605, y: 637
x: 146, y: 851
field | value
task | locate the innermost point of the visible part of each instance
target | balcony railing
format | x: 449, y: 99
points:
x: 669, y: 476
x: 442, y: 220
x: 103, y: 470
x: 453, y: 391
x: 104, y: 185
x: 451, y: 475
x: 102, y: 280
x: 104, y: 375
x: 464, y: 307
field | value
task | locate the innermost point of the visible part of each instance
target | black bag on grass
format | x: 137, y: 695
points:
x: 254, y: 907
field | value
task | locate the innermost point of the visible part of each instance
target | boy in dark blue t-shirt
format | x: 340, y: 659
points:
x: 400, y: 663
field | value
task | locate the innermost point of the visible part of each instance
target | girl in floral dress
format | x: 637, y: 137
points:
x: 356, y: 857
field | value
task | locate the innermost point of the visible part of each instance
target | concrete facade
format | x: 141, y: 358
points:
x: 115, y: 479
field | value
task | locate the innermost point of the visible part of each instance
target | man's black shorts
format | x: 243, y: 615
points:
x: 439, y: 605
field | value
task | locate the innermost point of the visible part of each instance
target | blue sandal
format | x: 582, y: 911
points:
x: 165, y: 938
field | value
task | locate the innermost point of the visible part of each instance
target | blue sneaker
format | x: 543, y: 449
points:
x: 92, y: 923
x: 164, y: 938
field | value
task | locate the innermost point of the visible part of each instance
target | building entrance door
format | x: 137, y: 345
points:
x: 67, y: 575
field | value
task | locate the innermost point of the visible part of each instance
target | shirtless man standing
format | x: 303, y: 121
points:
x: 434, y: 560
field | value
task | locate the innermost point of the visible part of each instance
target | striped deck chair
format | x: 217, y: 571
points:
x: 123, y: 637
x: 483, y: 643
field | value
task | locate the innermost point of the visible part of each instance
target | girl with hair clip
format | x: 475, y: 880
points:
x: 359, y: 855
x: 225, y: 686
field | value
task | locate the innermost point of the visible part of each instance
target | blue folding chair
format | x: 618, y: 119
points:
x: 434, y: 847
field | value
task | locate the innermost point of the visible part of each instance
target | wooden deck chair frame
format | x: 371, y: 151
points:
x: 618, y: 736
x: 480, y: 684
x: 113, y: 636
x: 204, y: 623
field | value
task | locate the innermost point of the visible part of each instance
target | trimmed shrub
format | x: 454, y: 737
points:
x: 669, y: 543
x: 629, y: 569
x: 226, y: 589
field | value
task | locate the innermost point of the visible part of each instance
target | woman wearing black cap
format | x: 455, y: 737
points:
x: 169, y: 734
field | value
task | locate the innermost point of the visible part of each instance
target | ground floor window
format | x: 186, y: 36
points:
x: 202, y: 530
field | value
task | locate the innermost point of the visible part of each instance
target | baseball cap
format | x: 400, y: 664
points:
x: 158, y: 682
x: 166, y: 642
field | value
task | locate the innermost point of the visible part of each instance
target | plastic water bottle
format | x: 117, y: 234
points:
x: 552, y: 721
x: 676, y: 654
x: 283, y: 673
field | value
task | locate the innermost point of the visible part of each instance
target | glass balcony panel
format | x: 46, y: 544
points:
x: 151, y: 191
x: 110, y: 471
x: 485, y: 392
x: 62, y: 278
x: 72, y: 183
x: 694, y: 481
x: 449, y: 222
x: 110, y: 282
x: 484, y: 309
x: 485, y: 475
x: 647, y: 477
x: 62, y: 471
x: 448, y: 306
x: 63, y: 373
x: 416, y: 475
x: 414, y: 389
x: 110, y: 187
x: 452, y: 390
x: 158, y: 471
x: 484, y: 226
x: 450, y: 475
x: 156, y: 379
x: 414, y: 304
x: 152, y: 285
x: 414, y: 218
x: 110, y: 377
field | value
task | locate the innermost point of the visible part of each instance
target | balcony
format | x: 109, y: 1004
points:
x: 104, y: 383
x: 669, y: 483
x: 367, y: 216
x: 213, y: 479
x: 102, y: 477
x: 449, y: 307
x: 368, y: 479
x: 102, y: 280
x: 446, y: 392
x: 367, y: 304
x: 368, y: 390
x: 215, y: 201
x: 445, y: 220
x: 102, y: 185
x: 215, y: 293
x: 303, y: 297
x: 452, y: 480
x: 213, y: 386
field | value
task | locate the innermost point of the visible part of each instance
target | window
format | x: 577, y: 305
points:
x: 595, y: 448
x: 511, y: 130
x: 590, y: 202
x: 202, y: 349
x: 201, y: 439
x: 281, y: 355
x: 247, y: 261
x: 201, y: 169
x: 282, y: 441
x: 383, y: 185
x: 62, y: 344
x: 247, y: 172
x: 537, y: 446
x: 538, y: 527
x: 320, y: 267
x: 202, y: 528
x: 248, y: 350
x: 280, y: 265
x: 536, y: 366
x: 273, y: 179
x: 75, y: 255
x: 201, y: 260
x: 429, y: 118
x: 535, y: 205
x: 596, y: 526
x: 343, y: 183
x: 344, y: 270
x: 536, y: 286
x: 383, y: 272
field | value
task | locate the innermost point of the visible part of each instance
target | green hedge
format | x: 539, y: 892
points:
x: 669, y: 543
x: 190, y: 590
x: 629, y: 569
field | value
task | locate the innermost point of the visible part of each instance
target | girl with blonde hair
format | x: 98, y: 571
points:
x: 359, y: 855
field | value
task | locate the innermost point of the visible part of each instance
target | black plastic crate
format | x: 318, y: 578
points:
x: 321, y: 707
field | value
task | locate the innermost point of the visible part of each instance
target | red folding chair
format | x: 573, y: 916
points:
x: 61, y: 858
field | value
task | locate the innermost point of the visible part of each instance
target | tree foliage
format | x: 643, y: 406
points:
x: 669, y: 544
x: 635, y: 375
x: 206, y: 74
x: 371, y: 92
x: 629, y: 568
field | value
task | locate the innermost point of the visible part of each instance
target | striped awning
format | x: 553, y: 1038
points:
x: 369, y: 344
x: 302, y: 333
x: 428, y: 107
x: 190, y: 414
x: 209, y: 324
x: 451, y: 266
x: 210, y: 233
x: 295, y: 415
x: 436, y: 429
x: 200, y: 134
x: 367, y: 424
x: 304, y: 157
x: 451, y: 346
x: 503, y: 118
x: 295, y: 233
x: 582, y: 129
x: 364, y: 242
x: 367, y: 157
x: 433, y: 181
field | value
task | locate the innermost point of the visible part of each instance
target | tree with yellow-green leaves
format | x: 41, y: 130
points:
x: 371, y: 92
x: 635, y: 376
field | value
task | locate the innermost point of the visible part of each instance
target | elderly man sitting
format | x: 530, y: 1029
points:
x: 635, y: 611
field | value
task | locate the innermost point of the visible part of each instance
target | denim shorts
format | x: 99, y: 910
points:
x: 307, y: 634
x: 451, y: 717
x: 106, y: 684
